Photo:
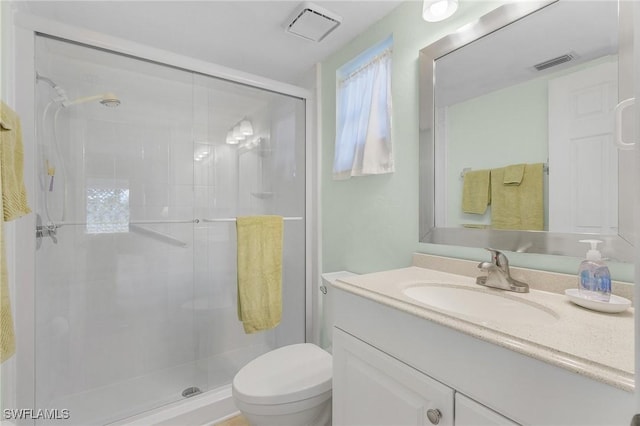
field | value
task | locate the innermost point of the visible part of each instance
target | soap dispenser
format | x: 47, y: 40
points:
x: 594, y: 279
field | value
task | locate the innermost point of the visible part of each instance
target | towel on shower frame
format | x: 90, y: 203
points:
x: 259, y: 271
x: 13, y: 203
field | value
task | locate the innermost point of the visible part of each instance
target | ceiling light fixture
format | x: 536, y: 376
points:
x: 230, y: 139
x: 237, y: 134
x: 246, y: 128
x: 201, y: 153
x: 438, y: 10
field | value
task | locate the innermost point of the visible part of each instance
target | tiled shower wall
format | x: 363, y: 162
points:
x: 128, y: 316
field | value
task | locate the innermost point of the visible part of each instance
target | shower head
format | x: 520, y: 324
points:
x: 110, y: 100
x: 106, y: 99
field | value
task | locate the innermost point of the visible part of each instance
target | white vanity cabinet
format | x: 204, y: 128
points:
x: 392, y: 366
x: 372, y: 388
x: 471, y: 413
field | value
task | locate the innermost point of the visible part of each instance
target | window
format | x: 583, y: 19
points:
x: 107, y: 206
x: 363, y: 114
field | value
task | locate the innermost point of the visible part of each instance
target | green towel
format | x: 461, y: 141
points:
x: 513, y: 174
x: 259, y: 271
x: 521, y: 206
x: 476, y: 191
x: 13, y: 203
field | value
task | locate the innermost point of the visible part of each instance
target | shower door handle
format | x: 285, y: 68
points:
x: 619, y: 109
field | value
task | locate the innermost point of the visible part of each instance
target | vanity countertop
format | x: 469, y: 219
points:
x: 593, y: 344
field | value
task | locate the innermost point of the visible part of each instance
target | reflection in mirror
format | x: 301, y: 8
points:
x: 517, y: 131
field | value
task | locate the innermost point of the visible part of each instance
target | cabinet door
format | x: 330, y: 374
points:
x: 374, y: 389
x: 472, y: 413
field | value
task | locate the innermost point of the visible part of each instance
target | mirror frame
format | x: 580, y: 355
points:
x: 613, y: 248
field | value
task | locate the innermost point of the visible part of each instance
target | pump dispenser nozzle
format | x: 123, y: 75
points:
x: 594, y: 253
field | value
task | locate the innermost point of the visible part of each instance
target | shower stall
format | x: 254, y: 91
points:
x: 141, y: 169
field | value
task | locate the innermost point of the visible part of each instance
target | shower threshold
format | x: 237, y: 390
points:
x: 192, y: 391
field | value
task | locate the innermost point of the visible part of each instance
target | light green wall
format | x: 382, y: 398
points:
x: 371, y: 223
x: 508, y: 126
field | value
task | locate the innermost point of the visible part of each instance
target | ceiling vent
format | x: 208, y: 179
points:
x: 312, y: 22
x: 555, y: 61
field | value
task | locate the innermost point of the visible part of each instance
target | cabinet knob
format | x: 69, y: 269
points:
x: 434, y: 415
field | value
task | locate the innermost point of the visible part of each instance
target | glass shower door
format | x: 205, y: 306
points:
x: 249, y: 160
x: 143, y: 170
x: 114, y: 273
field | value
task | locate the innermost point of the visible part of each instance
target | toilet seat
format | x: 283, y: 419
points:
x: 285, y: 375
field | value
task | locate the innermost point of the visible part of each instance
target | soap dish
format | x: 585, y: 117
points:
x: 614, y: 305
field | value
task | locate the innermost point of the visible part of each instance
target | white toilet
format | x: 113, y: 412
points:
x: 289, y: 386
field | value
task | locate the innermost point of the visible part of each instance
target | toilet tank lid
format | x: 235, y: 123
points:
x: 331, y: 277
x: 288, y: 374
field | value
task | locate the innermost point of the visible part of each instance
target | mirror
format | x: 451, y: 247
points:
x: 517, y: 132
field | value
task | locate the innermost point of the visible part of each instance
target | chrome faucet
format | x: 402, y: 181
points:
x: 498, y: 275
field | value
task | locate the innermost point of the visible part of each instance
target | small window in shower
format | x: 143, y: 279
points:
x: 107, y: 206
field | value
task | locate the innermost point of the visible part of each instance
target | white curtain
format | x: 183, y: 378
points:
x: 363, y: 120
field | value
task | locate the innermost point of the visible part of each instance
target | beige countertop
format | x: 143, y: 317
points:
x: 594, y: 344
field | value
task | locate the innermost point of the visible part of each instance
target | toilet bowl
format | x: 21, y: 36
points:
x: 289, y: 386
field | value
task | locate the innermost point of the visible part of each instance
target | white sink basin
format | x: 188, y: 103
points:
x: 494, y: 307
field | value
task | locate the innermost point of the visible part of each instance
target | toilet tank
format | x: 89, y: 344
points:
x: 326, y: 327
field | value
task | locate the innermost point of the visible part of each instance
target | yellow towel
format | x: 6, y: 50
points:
x: 259, y: 271
x: 14, y: 194
x: 475, y: 225
x: 7, y: 338
x: 518, y: 207
x: 13, y: 204
x: 476, y: 191
x: 513, y: 174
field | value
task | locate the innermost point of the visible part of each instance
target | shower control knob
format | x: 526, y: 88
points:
x: 434, y: 415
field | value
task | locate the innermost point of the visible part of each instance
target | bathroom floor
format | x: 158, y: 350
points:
x: 234, y: 421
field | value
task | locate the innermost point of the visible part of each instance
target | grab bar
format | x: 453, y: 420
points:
x: 156, y: 235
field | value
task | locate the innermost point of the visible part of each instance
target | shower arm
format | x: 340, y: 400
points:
x: 68, y: 103
x: 40, y: 77
x: 62, y: 95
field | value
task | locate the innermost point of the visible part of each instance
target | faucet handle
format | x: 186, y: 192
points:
x: 498, y: 258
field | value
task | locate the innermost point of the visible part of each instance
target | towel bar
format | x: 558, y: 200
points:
x: 167, y: 221
x: 233, y: 219
x: 545, y: 169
